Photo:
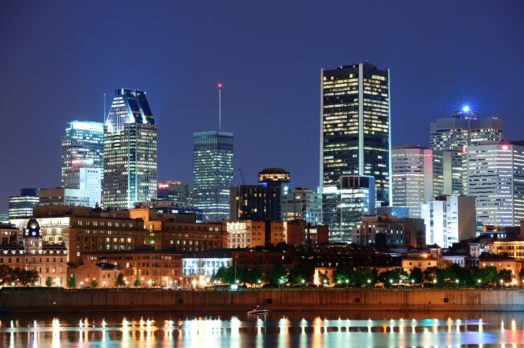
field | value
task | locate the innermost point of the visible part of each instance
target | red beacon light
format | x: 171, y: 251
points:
x: 220, y: 85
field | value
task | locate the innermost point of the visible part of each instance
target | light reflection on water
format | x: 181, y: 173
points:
x: 277, y: 329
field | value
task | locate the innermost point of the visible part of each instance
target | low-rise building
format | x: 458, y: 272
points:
x: 94, y: 275
x: 508, y: 248
x: 386, y: 230
x: 254, y: 233
x: 199, y: 268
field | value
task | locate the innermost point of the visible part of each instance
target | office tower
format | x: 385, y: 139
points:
x: 82, y: 146
x: 345, y: 204
x: 449, y: 138
x: 212, y: 173
x: 176, y: 191
x: 88, y: 180
x: 22, y: 206
x: 276, y: 177
x: 496, y: 180
x: 256, y: 202
x: 130, y: 151
x: 355, y: 126
x: 302, y: 204
x: 412, y: 177
x: 449, y: 219
x: 63, y: 196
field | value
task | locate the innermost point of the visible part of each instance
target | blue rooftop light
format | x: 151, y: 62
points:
x: 466, y: 108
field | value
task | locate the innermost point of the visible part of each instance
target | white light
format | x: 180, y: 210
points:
x: 466, y: 108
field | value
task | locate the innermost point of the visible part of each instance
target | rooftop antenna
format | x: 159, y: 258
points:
x: 219, y: 86
x: 105, y: 115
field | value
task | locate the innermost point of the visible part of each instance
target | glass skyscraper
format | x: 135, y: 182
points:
x: 212, y: 173
x: 130, y: 151
x: 355, y: 132
x: 82, y: 146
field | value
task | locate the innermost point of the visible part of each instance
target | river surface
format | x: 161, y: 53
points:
x: 276, y: 329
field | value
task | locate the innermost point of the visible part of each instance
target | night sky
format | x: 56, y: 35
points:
x: 57, y: 58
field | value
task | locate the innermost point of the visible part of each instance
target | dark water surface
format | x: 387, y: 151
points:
x: 277, y: 329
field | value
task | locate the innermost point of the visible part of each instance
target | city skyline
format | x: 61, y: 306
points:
x: 180, y: 86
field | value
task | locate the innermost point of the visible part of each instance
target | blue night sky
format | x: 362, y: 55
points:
x: 57, y: 58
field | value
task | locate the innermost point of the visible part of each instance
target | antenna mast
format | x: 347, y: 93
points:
x: 219, y: 86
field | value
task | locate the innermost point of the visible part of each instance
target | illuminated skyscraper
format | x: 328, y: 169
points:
x: 412, y: 177
x: 496, y: 180
x: 212, y: 173
x: 82, y: 146
x: 130, y: 151
x: 355, y: 131
x: 449, y: 138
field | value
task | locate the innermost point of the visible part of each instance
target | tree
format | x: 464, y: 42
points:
x: 430, y: 275
x: 48, y: 282
x: 226, y: 275
x: 342, y: 275
x: 119, y: 281
x: 485, y: 276
x: 252, y: 276
x: 416, y: 276
x: 505, y: 275
x: 301, y: 274
x: 94, y: 283
x: 277, y: 276
x: 362, y: 276
x: 25, y: 277
x: 136, y: 283
x: 71, y: 282
x: 392, y: 277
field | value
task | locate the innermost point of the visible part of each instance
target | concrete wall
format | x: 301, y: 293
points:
x: 332, y: 299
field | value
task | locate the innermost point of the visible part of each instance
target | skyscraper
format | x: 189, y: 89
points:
x: 212, y: 173
x: 130, y: 151
x: 496, y: 180
x: 449, y: 138
x: 412, y: 177
x: 82, y: 146
x: 22, y: 206
x: 355, y: 127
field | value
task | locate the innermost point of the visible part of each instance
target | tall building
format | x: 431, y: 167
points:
x: 496, y: 179
x: 345, y: 204
x: 356, y: 126
x: 449, y: 219
x: 177, y: 192
x: 130, y: 151
x: 88, y: 180
x: 449, y: 138
x: 275, y: 177
x: 412, y: 177
x: 257, y: 202
x: 212, y: 173
x: 302, y: 204
x: 22, y: 206
x: 82, y: 146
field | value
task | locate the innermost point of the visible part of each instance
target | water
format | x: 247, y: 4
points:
x: 277, y: 329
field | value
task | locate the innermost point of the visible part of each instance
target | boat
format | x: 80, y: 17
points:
x: 257, y: 310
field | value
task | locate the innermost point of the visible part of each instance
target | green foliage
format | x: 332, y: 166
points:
x: 48, y: 282
x: 94, y: 283
x: 252, y: 276
x: 17, y: 276
x: 119, y: 281
x: 301, y: 274
x: 416, y: 276
x: 277, y: 276
x: 485, y: 276
x: 393, y: 277
x: 71, y: 282
x: 505, y: 275
x: 136, y: 283
x: 362, y: 276
x: 226, y: 275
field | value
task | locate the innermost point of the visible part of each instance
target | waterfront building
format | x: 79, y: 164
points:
x: 449, y: 219
x: 383, y: 230
x: 212, y: 173
x: 177, y: 192
x: 254, y: 233
x: 412, y: 177
x: 356, y: 127
x: 94, y: 275
x: 82, y: 146
x: 130, y: 151
x: 257, y: 202
x: 22, y: 206
x: 449, y: 138
x: 302, y: 204
x: 192, y: 237
x: 198, y: 268
x: 509, y: 248
x: 142, y: 266
x: 31, y: 252
x: 83, y: 229
x: 496, y: 180
x: 344, y: 205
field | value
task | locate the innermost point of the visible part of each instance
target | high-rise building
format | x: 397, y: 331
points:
x: 82, y: 146
x: 356, y: 126
x: 86, y: 179
x: 449, y: 138
x: 130, y: 151
x: 449, y: 219
x: 302, y: 204
x: 345, y: 204
x: 212, y: 173
x: 496, y: 179
x: 22, y: 206
x: 275, y: 177
x: 177, y: 192
x: 257, y: 202
x: 412, y: 177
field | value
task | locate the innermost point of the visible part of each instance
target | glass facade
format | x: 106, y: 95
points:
x: 130, y: 151
x: 496, y: 180
x: 22, y: 206
x: 82, y: 146
x: 212, y: 173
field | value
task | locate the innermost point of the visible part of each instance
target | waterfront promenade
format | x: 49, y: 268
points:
x: 50, y: 300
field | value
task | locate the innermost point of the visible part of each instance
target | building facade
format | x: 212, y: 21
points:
x: 258, y: 202
x: 22, y: 206
x: 304, y: 204
x: 496, y: 180
x: 412, y: 177
x: 130, y: 151
x: 356, y: 126
x: 212, y: 173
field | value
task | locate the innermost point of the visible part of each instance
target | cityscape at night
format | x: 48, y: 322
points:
x: 309, y: 174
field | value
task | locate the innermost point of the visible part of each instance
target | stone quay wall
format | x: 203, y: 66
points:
x: 58, y: 300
